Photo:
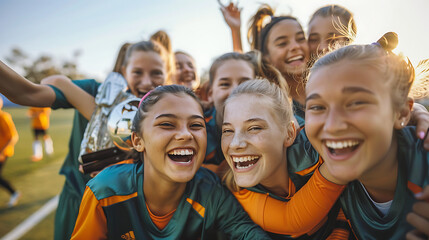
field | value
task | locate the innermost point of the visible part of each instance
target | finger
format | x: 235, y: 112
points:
x: 423, y: 195
x: 422, y: 209
x: 81, y: 168
x: 415, y: 235
x: 93, y: 174
x: 220, y: 3
x: 421, y: 224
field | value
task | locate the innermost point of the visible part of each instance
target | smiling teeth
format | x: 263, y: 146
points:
x: 181, y: 152
x: 341, y: 145
x: 240, y: 167
x: 294, y: 58
x: 244, y: 159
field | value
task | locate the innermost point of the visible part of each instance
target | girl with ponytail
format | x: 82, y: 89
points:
x: 357, y: 109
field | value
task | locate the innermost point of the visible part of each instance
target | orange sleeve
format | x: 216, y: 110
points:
x: 305, y: 211
x: 91, y: 222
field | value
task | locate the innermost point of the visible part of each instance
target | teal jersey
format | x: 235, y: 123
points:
x: 75, y: 182
x: 214, y: 153
x: 366, y: 221
x: 206, y: 207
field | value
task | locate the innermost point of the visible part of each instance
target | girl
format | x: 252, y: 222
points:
x: 144, y: 68
x: 358, y: 128
x: 266, y: 169
x: 282, y: 43
x: 40, y: 125
x: 329, y: 25
x: 186, y: 72
x: 166, y: 195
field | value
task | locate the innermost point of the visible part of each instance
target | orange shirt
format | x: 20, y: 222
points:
x: 8, y: 135
x: 40, y: 117
x: 304, y: 213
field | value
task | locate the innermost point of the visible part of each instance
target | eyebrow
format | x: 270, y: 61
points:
x: 169, y: 115
x: 346, y: 90
x: 248, y: 121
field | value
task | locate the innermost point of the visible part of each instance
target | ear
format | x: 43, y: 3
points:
x: 290, y: 134
x: 138, y: 143
x: 404, y: 114
x: 209, y: 95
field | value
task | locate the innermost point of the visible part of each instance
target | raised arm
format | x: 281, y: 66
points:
x: 81, y: 100
x: 231, y: 15
x: 21, y: 91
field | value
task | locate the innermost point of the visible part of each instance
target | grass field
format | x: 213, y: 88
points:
x: 39, y: 181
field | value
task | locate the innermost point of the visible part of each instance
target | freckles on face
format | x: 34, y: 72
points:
x: 227, y: 77
x: 144, y: 72
x: 350, y: 118
x: 252, y: 141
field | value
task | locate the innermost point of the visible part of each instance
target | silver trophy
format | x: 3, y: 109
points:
x: 110, y: 93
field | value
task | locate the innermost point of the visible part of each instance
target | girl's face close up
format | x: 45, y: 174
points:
x: 322, y: 33
x: 173, y: 138
x: 185, y: 70
x: 145, y: 71
x: 287, y: 47
x: 350, y: 119
x: 253, y: 142
x: 228, y: 76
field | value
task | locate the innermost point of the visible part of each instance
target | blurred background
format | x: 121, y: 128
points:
x: 82, y: 38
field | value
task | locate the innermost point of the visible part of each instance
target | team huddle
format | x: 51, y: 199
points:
x: 307, y: 136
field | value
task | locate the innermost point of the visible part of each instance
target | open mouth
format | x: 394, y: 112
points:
x: 184, y: 155
x: 337, y: 148
x: 244, y: 162
x: 296, y: 59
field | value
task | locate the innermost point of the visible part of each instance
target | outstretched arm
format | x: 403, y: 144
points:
x: 21, y: 91
x: 231, y: 15
x: 81, y: 100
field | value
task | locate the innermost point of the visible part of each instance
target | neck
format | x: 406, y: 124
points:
x: 162, y: 196
x: 297, y: 88
x: 278, y: 181
x: 380, y: 182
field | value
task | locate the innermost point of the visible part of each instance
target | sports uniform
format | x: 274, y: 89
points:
x: 413, y: 175
x: 304, y: 214
x: 114, y: 207
x: 40, y: 118
x: 74, y: 186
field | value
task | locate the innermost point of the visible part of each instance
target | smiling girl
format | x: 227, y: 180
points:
x: 167, y: 194
x: 357, y: 110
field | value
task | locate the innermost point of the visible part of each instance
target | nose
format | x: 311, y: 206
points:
x: 238, y: 141
x: 323, y: 46
x: 187, y: 68
x: 183, y: 134
x: 335, y: 121
x: 294, y: 45
x: 145, y: 82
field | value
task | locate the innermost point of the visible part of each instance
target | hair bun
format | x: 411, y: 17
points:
x: 388, y: 41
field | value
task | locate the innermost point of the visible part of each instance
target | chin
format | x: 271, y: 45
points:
x: 245, y: 182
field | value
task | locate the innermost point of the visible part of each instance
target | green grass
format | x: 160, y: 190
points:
x: 37, y: 181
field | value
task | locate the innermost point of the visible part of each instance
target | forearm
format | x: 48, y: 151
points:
x: 236, y: 40
x: 21, y: 91
x: 81, y: 100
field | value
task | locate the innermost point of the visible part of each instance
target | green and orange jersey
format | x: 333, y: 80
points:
x: 304, y: 211
x: 8, y: 135
x: 114, y: 207
x: 413, y: 175
x: 39, y: 117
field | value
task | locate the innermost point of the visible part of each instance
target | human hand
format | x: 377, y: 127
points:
x: 420, y: 118
x: 419, y: 217
x: 58, y: 81
x: 231, y: 14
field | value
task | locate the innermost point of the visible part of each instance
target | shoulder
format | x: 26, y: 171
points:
x: 118, y: 179
x: 301, y: 155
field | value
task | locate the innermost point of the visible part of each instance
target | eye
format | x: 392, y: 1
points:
x: 300, y: 39
x: 315, y: 107
x: 137, y: 72
x: 166, y: 125
x: 357, y: 103
x: 224, y: 84
x: 197, y: 126
x: 227, y: 131
x: 255, y: 128
x: 190, y: 65
x: 281, y: 44
x: 157, y: 73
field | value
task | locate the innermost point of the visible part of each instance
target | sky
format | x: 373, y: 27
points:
x: 98, y: 28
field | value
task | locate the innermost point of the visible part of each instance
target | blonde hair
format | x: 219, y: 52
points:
x: 396, y: 69
x: 280, y: 104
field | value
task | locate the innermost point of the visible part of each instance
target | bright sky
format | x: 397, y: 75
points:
x: 99, y: 28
